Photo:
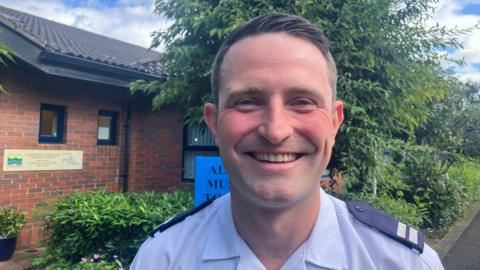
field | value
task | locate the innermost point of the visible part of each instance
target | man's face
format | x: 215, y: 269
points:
x: 275, y: 124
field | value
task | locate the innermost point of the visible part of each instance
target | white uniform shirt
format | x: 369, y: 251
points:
x: 209, y: 240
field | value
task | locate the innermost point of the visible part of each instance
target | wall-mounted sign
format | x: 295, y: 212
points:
x: 211, y: 179
x: 41, y: 160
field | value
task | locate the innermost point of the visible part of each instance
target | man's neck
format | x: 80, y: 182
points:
x: 275, y: 234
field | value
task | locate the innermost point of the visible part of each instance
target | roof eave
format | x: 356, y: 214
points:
x: 86, y: 64
x: 33, y: 52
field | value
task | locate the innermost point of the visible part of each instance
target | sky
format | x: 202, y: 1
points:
x: 133, y: 21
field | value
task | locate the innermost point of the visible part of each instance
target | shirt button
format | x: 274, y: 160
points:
x: 358, y: 208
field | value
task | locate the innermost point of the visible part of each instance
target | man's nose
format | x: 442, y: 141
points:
x: 276, y: 124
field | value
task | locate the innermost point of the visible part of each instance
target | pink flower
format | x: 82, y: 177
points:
x: 84, y: 259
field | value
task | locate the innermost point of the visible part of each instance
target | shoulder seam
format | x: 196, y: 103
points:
x: 179, y: 218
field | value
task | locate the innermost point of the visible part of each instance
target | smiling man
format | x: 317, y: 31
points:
x: 274, y: 120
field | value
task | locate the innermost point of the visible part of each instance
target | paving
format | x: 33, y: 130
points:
x: 21, y: 260
x: 465, y: 253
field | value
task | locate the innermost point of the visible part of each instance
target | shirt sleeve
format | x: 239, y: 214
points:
x: 150, y: 256
x: 431, y: 259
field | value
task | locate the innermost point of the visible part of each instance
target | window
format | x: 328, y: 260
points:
x: 52, y: 123
x: 198, y: 141
x: 107, y: 128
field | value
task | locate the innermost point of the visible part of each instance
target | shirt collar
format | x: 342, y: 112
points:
x: 222, y: 239
x: 224, y: 242
x: 324, y: 247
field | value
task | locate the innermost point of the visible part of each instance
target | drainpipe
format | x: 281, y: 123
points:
x: 126, y: 149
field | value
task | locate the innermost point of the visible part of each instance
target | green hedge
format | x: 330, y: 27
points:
x: 467, y: 174
x: 424, y: 188
x: 109, y: 224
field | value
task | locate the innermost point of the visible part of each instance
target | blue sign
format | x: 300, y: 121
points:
x: 211, y: 179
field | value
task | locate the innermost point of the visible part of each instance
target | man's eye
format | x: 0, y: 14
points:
x: 302, y: 102
x: 246, y: 103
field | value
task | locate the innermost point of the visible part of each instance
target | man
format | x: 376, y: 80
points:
x: 274, y: 120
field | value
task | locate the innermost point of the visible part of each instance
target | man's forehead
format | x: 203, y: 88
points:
x: 266, y: 43
x: 275, y: 52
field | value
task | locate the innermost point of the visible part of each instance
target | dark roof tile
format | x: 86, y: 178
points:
x: 72, y: 41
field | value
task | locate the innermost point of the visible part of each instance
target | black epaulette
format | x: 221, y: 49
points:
x: 388, y: 225
x: 180, y: 217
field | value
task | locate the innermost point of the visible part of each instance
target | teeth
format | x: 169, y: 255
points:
x: 275, y: 157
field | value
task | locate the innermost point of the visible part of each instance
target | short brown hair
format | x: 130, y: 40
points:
x: 275, y: 23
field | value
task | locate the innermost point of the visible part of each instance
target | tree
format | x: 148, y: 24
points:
x: 385, y: 53
x: 471, y: 146
x: 5, y: 52
x: 453, y: 120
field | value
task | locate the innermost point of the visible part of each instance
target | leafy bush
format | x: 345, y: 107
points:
x: 95, y: 262
x: 424, y: 169
x: 417, y: 175
x: 467, y: 173
x: 110, y: 224
x: 10, y: 222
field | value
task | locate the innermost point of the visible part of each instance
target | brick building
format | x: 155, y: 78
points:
x: 69, y: 93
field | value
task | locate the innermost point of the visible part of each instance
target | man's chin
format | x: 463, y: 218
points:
x: 268, y: 198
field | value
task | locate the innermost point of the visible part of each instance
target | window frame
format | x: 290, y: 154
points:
x: 60, y: 110
x: 198, y: 148
x: 113, y: 128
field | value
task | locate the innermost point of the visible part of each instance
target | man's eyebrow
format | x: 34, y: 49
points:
x: 232, y: 94
x: 292, y: 92
x: 299, y: 91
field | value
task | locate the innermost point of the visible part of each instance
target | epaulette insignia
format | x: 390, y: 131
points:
x: 180, y: 217
x: 388, y: 225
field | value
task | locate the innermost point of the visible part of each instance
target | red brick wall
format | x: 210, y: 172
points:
x: 156, y: 150
x: 156, y: 138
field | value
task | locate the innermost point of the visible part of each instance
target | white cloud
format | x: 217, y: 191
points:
x: 130, y: 20
x: 448, y: 14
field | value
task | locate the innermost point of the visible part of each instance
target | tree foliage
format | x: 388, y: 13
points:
x: 7, y: 53
x: 454, y: 121
x: 395, y: 91
x: 385, y: 53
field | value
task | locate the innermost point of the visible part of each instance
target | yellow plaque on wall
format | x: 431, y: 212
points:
x: 42, y: 160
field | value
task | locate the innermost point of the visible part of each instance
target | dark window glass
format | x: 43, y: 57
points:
x: 198, y: 141
x: 52, y: 123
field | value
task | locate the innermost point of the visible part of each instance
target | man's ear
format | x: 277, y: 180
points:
x: 210, y: 115
x: 337, y: 116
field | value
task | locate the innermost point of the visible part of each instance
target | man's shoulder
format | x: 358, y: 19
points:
x: 179, y: 218
x: 181, y: 235
x: 382, y: 236
x: 191, y: 220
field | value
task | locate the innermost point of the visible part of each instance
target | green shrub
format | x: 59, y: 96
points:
x: 467, y: 173
x: 417, y: 175
x: 424, y: 169
x: 10, y: 222
x: 109, y: 224
x: 94, y: 262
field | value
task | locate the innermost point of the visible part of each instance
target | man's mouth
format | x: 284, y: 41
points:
x: 275, y: 158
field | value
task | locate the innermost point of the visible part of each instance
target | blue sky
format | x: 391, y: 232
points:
x: 133, y: 22
x: 471, y: 8
x: 463, y: 14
